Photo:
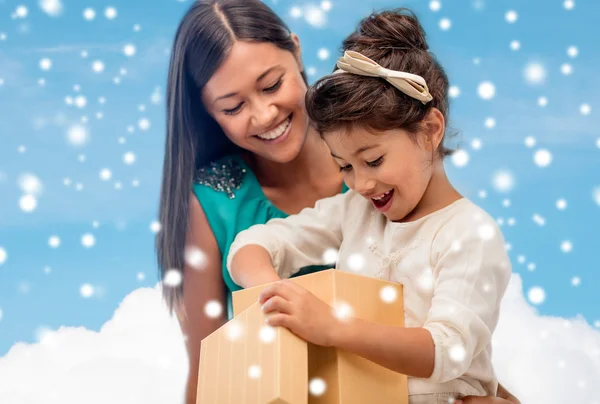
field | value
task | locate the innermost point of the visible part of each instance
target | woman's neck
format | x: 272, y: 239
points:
x: 313, y: 166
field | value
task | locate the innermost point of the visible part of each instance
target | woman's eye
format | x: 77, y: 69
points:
x: 233, y: 111
x: 274, y: 87
x: 375, y: 163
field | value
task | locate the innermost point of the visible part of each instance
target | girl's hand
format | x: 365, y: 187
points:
x: 295, y: 308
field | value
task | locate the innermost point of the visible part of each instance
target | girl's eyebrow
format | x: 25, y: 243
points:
x: 360, y: 150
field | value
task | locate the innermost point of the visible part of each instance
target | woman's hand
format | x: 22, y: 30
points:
x: 289, y: 305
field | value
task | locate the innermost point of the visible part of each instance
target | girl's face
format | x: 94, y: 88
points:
x: 257, y: 97
x: 388, y: 168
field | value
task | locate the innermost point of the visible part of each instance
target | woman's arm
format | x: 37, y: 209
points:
x: 200, y: 287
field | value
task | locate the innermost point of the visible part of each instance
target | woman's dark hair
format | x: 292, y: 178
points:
x: 203, y: 41
x: 395, y: 40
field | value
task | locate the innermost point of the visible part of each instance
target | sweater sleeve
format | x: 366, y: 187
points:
x: 298, y: 240
x: 471, y: 273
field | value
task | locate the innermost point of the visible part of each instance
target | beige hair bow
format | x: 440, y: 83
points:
x: 410, y: 84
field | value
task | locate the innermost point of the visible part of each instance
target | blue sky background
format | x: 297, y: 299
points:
x: 74, y: 285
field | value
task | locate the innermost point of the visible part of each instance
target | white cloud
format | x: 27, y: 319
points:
x: 139, y: 357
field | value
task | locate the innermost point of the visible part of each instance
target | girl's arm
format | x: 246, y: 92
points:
x: 468, y: 285
x: 281, y: 247
x: 409, y: 351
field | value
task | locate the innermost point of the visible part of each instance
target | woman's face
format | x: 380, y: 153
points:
x: 257, y: 97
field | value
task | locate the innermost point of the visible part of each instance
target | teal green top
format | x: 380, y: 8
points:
x: 233, y: 200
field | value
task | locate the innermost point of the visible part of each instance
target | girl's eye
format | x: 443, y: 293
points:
x: 274, y: 87
x: 233, y: 111
x: 375, y: 163
x: 346, y: 168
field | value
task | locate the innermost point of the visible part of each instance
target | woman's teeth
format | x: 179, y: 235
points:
x: 278, y: 131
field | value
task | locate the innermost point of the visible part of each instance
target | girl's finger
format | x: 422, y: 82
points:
x: 277, y: 303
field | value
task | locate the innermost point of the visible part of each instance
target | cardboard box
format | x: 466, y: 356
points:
x: 349, y: 378
x: 248, y: 362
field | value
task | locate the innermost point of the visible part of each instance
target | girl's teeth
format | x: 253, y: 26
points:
x: 382, y: 196
x: 275, y: 133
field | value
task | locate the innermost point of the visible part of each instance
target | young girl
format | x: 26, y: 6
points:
x: 382, y: 115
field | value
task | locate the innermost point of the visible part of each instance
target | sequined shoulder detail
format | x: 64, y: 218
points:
x: 223, y: 176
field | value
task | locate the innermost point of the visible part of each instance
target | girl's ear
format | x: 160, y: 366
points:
x: 434, y: 126
x: 298, y: 51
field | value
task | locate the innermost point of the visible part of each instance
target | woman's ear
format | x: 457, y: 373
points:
x: 297, y: 51
x: 434, y: 126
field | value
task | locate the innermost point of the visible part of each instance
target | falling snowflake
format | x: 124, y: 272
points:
x: 315, y: 16
x: 45, y: 64
x: 535, y: 73
x: 54, y: 241
x: 566, y: 246
x: 486, y: 90
x: 30, y: 184
x: 596, y: 195
x: 576, y: 281
x: 536, y: 295
x: 566, y: 69
x: 561, y: 204
x: 388, y: 294
x: 539, y: 220
x: 3, y: 255
x: 98, y: 66
x: 129, y: 158
x: 317, y: 386
x: 28, y: 203
x: 53, y: 8
x: 110, y: 13
x: 267, y: 334
x: 486, y: 231
x: 342, y: 310
x: 295, y: 12
x: 457, y: 353
x: 542, y: 158
x: 326, y: 5
x: 542, y: 101
x: 234, y: 330
x: 155, y: 227
x: 530, y: 141
x: 515, y: 45
x: 460, y: 158
x: 77, y: 135
x: 445, y: 24
x: 89, y: 14
x: 213, y: 309
x: 144, y: 124
x: 195, y: 257
x: 511, y: 16
x: 88, y: 240
x: 490, y: 123
x: 476, y: 144
x: 86, y: 290
x: 356, y: 262
x: 569, y: 5
x: 503, y: 181
x: 323, y: 54
x: 254, y: 372
x: 172, y: 278
x: 454, y: 91
x: 141, y: 276
x: 572, y: 51
x: 129, y: 50
x: 585, y: 109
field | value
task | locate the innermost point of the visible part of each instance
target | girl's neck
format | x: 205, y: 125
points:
x: 438, y: 194
x: 313, y: 166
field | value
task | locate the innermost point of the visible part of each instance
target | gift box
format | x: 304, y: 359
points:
x: 246, y: 361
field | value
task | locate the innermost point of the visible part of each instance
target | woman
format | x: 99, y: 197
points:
x: 238, y: 152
